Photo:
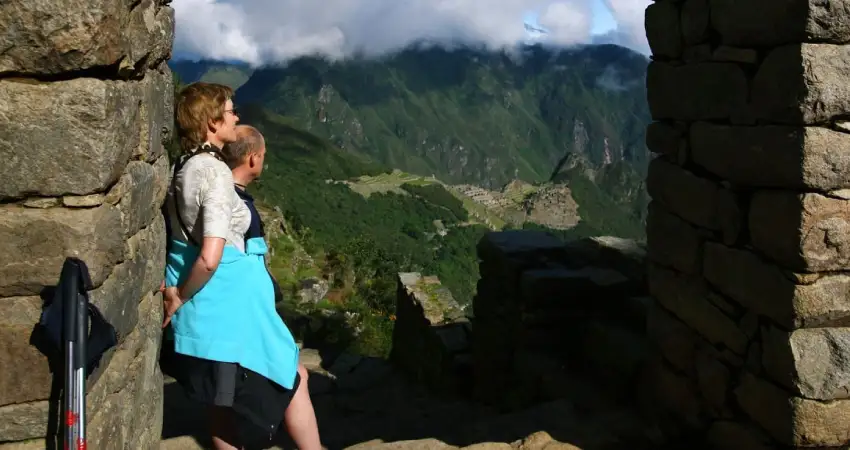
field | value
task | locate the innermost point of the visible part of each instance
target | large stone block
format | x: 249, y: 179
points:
x: 25, y: 375
x: 768, y: 290
x: 138, y: 206
x: 802, y: 232
x: 687, y: 298
x: 696, y: 16
x: 765, y: 23
x: 803, y: 84
x: 773, y: 156
x: 663, y: 30
x: 137, y: 276
x: 793, y: 420
x: 814, y: 363
x: 67, y: 137
x: 687, y: 195
x: 667, y: 139
x: 673, y: 242
x: 157, y: 114
x: 64, y: 36
x: 677, y: 342
x: 35, y: 242
x: 698, y: 91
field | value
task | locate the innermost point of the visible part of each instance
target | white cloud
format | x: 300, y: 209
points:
x: 261, y: 31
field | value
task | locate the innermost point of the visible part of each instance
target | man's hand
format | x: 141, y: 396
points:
x: 171, y: 302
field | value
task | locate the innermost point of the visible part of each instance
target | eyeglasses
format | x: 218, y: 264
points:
x: 231, y: 111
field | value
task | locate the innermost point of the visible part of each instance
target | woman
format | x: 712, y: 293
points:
x: 230, y: 348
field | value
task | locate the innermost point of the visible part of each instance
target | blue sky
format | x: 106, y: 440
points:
x: 603, y: 20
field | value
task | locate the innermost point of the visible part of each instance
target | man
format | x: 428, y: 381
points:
x: 245, y: 157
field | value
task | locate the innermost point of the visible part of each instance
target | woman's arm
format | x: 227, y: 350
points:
x: 216, y: 201
x: 204, y: 267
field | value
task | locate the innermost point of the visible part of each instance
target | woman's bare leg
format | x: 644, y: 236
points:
x: 300, y: 418
x: 223, y: 429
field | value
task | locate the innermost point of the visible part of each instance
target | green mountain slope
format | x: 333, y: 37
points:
x: 468, y: 116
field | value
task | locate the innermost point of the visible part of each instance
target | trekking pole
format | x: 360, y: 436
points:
x: 81, y: 330
x: 68, y: 297
x: 75, y: 332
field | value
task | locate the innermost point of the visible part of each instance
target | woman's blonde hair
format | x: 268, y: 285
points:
x: 198, y: 105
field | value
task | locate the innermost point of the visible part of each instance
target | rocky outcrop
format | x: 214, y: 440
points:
x: 430, y: 334
x: 87, y: 104
x: 748, y: 231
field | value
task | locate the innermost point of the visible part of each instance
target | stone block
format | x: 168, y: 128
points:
x: 793, y: 420
x: 768, y: 290
x: 802, y: 232
x: 696, y: 16
x: 663, y: 30
x: 156, y: 114
x: 728, y: 434
x: 676, y: 341
x: 572, y: 288
x: 21, y: 421
x: 623, y: 255
x: 667, y: 139
x: 136, y: 277
x: 697, y: 53
x: 773, y: 156
x: 698, y: 91
x: 27, y: 376
x: 139, y: 188
x: 64, y: 36
x: 687, y: 195
x: 522, y: 246
x: 35, y: 242
x: 766, y: 23
x: 68, y: 137
x: 814, y: 363
x: 714, y: 381
x: 673, y: 242
x: 673, y: 395
x: 803, y: 84
x: 725, y: 53
x: 731, y: 215
x: 687, y: 298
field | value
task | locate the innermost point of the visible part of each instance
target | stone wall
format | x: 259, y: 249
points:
x: 86, y: 105
x: 748, y: 228
x: 547, y: 313
x: 431, y: 334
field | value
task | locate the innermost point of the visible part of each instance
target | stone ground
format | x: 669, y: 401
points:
x: 363, y: 403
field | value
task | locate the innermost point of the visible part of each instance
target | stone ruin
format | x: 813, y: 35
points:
x: 546, y: 311
x: 748, y: 227
x: 85, y: 106
x: 431, y: 334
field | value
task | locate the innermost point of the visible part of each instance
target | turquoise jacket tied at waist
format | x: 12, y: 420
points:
x: 233, y: 318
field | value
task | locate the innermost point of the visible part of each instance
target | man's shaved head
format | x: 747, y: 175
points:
x: 248, y: 140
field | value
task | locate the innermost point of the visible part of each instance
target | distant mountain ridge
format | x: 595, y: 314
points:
x: 466, y: 115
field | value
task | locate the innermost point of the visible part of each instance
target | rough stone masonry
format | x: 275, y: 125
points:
x: 86, y: 106
x: 749, y: 227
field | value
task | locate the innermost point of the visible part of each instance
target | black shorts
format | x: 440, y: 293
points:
x: 259, y: 403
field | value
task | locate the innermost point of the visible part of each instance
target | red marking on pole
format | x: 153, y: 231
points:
x: 81, y: 445
x: 70, y: 418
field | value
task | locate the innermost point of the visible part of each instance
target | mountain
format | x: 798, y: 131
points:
x: 464, y: 115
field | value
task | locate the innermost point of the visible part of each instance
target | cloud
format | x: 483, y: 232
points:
x: 263, y: 31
